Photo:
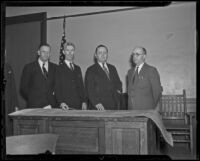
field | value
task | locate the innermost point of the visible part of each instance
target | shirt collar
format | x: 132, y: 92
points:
x: 68, y: 63
x: 41, y: 63
x: 140, y: 67
x: 101, y: 64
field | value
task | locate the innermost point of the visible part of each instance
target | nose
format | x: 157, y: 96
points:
x: 46, y: 53
x: 104, y: 54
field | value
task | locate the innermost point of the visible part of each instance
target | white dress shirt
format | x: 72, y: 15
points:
x: 41, y: 64
x: 105, y: 64
x: 68, y: 64
x: 139, y: 67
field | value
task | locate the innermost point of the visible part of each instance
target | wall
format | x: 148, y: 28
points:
x: 168, y: 34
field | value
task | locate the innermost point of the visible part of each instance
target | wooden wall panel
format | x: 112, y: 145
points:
x: 77, y: 136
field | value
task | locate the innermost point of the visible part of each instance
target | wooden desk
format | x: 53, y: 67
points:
x: 90, y: 132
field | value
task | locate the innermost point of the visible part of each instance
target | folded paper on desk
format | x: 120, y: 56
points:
x: 47, y: 107
x: 157, y: 119
x: 151, y: 114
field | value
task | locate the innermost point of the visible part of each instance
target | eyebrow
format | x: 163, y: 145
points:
x: 137, y: 53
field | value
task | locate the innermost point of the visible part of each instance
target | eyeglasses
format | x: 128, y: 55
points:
x: 136, y: 54
x: 69, y: 50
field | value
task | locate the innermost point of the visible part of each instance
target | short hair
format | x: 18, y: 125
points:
x: 99, y: 46
x: 144, y: 50
x: 69, y: 44
x: 44, y: 44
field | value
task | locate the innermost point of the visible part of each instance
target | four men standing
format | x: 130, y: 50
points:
x: 43, y: 83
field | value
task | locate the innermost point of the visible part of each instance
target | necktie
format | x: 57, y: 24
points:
x: 44, y: 71
x: 135, y: 74
x: 106, y: 70
x: 71, y: 66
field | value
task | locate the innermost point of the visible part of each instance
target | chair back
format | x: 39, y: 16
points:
x: 31, y: 144
x: 173, y: 106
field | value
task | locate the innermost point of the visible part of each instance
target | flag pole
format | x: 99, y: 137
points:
x: 63, y: 41
x: 64, y: 21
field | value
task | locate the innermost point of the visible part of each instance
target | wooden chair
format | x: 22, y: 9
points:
x: 31, y: 144
x: 175, y: 118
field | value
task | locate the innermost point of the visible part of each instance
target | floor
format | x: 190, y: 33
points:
x: 178, y: 152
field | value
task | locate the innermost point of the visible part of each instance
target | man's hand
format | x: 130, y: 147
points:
x: 84, y: 106
x: 16, y: 108
x: 47, y: 107
x: 99, y: 106
x: 64, y: 106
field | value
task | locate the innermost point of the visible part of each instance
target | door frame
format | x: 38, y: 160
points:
x: 30, y: 18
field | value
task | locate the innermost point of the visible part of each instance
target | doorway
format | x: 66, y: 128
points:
x: 23, y: 35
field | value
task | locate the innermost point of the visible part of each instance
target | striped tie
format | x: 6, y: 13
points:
x: 135, y: 74
x: 106, y: 70
x: 45, y: 71
x: 71, y: 66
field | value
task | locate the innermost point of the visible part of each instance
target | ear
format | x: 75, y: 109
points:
x: 38, y: 52
x: 95, y: 55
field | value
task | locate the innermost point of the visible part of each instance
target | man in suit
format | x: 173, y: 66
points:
x: 69, y: 90
x: 102, y: 82
x: 144, y: 87
x: 38, y: 80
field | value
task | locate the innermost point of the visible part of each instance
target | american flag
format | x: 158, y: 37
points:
x: 63, y: 41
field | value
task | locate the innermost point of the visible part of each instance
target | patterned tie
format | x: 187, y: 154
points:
x: 71, y: 66
x: 45, y: 71
x: 135, y: 74
x: 106, y: 70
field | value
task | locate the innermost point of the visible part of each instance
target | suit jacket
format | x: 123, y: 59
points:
x: 38, y: 91
x: 100, y: 89
x: 146, y: 90
x: 69, y: 86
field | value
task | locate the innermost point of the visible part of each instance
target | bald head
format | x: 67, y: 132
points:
x: 139, y: 54
x: 139, y: 50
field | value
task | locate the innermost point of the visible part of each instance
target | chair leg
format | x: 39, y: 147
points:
x: 191, y: 136
x: 191, y: 139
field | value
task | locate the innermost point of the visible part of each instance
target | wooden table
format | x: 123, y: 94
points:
x: 90, y: 132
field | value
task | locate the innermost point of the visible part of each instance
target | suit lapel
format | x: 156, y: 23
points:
x: 75, y: 68
x: 140, y: 75
x: 132, y: 74
x: 66, y: 66
x: 39, y: 68
x: 109, y: 68
x: 50, y: 71
x: 101, y: 71
x: 143, y: 70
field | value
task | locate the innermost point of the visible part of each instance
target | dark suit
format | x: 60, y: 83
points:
x: 146, y: 90
x: 69, y: 86
x: 102, y: 90
x: 38, y: 91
